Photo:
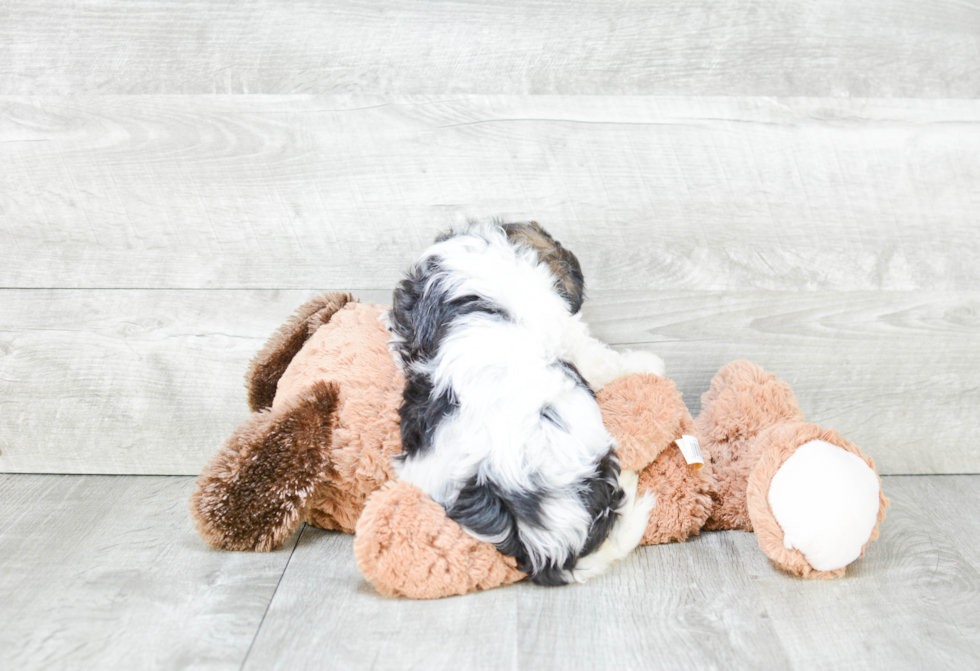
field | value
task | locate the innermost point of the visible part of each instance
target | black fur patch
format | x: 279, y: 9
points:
x: 571, y: 371
x: 551, y: 415
x: 487, y: 510
x: 601, y: 496
x: 421, y: 315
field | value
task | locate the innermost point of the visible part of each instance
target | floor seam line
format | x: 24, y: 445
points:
x: 271, y: 599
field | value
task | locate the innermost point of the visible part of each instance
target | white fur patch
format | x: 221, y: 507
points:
x: 503, y: 374
x: 826, y: 501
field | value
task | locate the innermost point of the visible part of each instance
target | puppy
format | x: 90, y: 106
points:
x: 499, y: 421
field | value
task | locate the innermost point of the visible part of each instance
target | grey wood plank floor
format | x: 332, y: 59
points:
x: 103, y: 572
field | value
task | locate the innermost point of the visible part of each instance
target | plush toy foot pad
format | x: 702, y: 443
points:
x: 826, y: 501
x: 815, y: 501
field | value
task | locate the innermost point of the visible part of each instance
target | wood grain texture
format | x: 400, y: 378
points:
x: 714, y: 602
x: 799, y: 47
x: 679, y: 606
x: 140, y: 381
x: 104, y: 572
x: 326, y: 615
x: 128, y: 381
x: 652, y: 193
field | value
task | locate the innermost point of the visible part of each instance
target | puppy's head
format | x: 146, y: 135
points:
x: 563, y: 264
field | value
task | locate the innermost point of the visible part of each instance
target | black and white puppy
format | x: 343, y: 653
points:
x: 500, y: 423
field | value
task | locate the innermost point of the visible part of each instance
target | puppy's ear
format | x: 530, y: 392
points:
x: 570, y: 282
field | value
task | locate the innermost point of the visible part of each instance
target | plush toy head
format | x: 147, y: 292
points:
x: 316, y: 447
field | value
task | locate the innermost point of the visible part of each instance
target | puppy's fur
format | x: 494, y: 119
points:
x: 499, y: 421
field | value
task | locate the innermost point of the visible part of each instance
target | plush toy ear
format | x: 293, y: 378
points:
x: 258, y: 488
x: 271, y: 361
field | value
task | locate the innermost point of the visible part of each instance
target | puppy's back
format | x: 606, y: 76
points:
x: 497, y: 424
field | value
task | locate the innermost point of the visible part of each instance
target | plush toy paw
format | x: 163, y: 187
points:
x: 815, y: 501
x: 812, y: 498
x: 406, y: 545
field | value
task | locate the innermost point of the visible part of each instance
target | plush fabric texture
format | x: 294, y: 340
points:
x: 405, y: 545
x: 742, y: 401
x: 321, y: 446
x: 352, y: 349
x: 646, y: 414
x: 777, y: 444
x: 273, y: 359
x: 683, y: 497
x: 257, y: 489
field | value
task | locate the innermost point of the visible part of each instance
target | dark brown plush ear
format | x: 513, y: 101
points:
x: 257, y: 489
x: 271, y: 361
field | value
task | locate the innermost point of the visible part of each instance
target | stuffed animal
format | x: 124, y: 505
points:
x: 325, y: 392
x: 318, y: 446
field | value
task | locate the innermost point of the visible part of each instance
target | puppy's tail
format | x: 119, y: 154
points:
x: 627, y: 532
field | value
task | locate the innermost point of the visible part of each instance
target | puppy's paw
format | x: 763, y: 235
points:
x: 642, y: 362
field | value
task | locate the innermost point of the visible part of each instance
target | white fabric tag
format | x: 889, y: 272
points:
x: 691, y: 450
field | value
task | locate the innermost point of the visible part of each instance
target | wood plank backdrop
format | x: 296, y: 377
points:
x: 794, y: 183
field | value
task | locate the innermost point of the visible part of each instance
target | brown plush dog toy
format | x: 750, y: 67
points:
x: 325, y: 393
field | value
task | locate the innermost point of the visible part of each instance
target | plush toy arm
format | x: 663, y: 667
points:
x: 406, y: 545
x: 271, y: 361
x: 646, y: 414
x: 257, y: 489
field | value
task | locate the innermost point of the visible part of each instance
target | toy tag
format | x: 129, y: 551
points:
x: 691, y: 450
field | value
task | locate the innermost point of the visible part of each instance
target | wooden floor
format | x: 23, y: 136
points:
x: 795, y: 182
x: 105, y: 572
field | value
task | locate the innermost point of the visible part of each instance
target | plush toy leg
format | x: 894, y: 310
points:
x: 812, y: 498
x: 742, y: 401
x: 257, y: 489
x: 405, y: 545
x: 646, y: 414
x: 272, y: 360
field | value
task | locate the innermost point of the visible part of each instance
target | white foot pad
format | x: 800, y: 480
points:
x: 826, y: 501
